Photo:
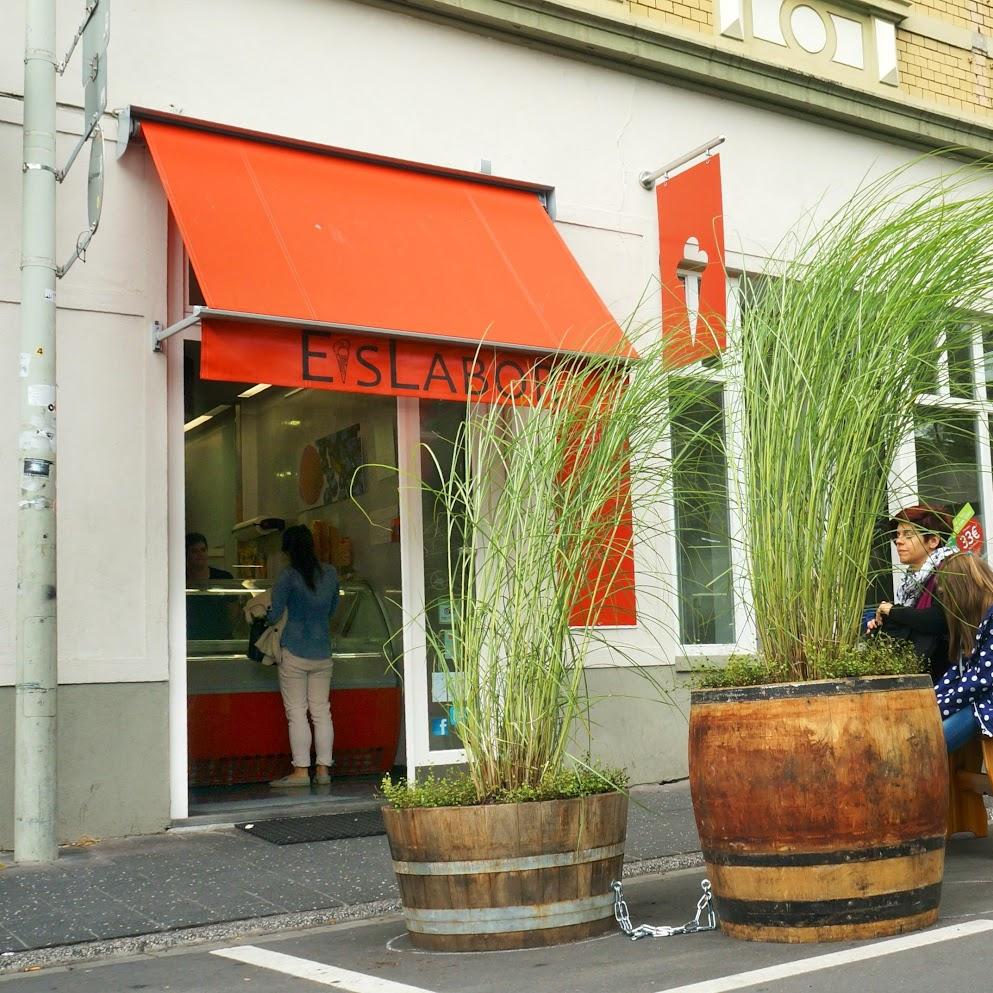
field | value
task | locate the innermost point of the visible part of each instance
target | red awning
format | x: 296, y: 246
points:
x: 417, y: 267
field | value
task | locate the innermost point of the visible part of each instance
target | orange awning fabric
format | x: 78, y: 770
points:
x: 414, y: 271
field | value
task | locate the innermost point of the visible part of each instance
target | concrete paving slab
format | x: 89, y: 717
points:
x: 194, y: 886
x: 379, y: 949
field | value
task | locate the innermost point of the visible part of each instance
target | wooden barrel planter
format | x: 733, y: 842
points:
x: 508, y: 875
x: 821, y: 806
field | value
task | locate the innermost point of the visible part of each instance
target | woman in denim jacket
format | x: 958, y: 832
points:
x: 308, y: 591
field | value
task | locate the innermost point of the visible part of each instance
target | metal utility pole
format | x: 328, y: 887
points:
x: 35, y: 832
x: 35, y: 838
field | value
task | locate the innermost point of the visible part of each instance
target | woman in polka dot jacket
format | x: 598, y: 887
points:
x: 965, y: 692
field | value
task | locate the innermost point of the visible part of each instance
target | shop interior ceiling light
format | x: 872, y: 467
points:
x: 203, y: 418
x: 196, y: 422
x: 254, y: 390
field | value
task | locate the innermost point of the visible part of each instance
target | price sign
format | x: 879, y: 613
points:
x: 970, y: 538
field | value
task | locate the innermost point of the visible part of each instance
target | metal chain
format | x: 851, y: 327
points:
x: 705, y: 905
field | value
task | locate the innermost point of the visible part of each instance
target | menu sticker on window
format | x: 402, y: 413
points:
x: 443, y: 686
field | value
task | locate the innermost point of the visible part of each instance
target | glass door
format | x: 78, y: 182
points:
x: 427, y: 433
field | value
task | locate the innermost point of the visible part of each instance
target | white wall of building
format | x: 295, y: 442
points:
x: 111, y: 427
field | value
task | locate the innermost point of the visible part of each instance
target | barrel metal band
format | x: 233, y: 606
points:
x: 916, y: 846
x: 826, y: 913
x: 501, y: 920
x: 507, y: 865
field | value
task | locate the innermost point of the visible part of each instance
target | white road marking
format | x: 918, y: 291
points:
x: 919, y: 940
x: 316, y: 972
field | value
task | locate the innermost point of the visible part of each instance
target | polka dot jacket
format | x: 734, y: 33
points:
x: 972, y: 685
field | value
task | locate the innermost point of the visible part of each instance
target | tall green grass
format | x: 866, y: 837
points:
x: 833, y: 347
x: 541, y: 503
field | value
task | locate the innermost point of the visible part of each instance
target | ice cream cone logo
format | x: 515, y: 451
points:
x: 342, y: 349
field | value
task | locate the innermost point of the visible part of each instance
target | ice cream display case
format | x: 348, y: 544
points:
x: 236, y: 723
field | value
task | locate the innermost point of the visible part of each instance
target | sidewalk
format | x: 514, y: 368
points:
x: 163, y: 884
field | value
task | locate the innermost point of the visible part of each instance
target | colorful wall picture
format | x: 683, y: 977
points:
x: 328, y: 468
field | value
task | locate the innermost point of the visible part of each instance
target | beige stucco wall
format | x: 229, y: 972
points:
x: 111, y: 744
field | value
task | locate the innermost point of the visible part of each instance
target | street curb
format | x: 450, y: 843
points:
x: 34, y: 960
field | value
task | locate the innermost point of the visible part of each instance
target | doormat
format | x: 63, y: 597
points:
x: 323, y: 827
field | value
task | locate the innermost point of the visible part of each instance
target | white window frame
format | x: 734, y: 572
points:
x: 744, y: 627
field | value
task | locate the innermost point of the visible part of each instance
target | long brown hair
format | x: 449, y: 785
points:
x: 298, y: 543
x: 965, y: 592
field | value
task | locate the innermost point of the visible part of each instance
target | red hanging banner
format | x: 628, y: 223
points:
x: 691, y: 263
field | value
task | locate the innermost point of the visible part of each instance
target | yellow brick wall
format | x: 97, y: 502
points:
x: 696, y: 15
x: 930, y: 71
x: 980, y: 15
x: 952, y: 11
x: 935, y: 72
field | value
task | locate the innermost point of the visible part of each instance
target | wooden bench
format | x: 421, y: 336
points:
x: 967, y: 782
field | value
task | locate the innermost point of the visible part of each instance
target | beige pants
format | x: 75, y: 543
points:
x: 305, y: 685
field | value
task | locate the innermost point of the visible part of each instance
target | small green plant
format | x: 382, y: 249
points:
x: 458, y: 789
x: 876, y: 656
x: 740, y: 670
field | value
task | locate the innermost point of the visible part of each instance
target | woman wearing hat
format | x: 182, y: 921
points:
x: 920, y: 534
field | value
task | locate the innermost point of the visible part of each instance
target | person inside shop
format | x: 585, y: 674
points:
x: 208, y: 618
x: 920, y: 535
x: 307, y: 590
x: 965, y: 691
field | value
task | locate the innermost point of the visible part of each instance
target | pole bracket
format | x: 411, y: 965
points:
x: 161, y: 333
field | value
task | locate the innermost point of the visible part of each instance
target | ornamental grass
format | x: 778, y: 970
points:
x: 541, y: 504
x: 833, y: 348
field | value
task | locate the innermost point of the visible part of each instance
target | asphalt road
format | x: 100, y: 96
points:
x: 375, y: 956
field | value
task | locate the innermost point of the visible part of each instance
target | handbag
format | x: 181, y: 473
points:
x: 258, y: 628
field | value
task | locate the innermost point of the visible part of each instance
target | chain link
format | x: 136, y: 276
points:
x: 705, y: 906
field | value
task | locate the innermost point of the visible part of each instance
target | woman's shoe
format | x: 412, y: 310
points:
x: 291, y: 781
x: 324, y: 779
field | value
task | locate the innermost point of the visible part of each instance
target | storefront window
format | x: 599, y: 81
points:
x: 960, y: 375
x: 706, y: 600
x: 947, y: 459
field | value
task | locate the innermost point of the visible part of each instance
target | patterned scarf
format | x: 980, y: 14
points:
x: 913, y: 582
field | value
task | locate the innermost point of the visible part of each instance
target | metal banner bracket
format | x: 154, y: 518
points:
x: 649, y: 179
x: 161, y: 333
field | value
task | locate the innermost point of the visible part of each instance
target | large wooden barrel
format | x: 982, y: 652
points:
x: 508, y: 875
x: 821, y: 806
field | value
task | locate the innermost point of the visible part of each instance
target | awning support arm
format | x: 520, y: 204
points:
x: 159, y: 333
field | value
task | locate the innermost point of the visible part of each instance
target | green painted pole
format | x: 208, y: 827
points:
x: 35, y: 835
